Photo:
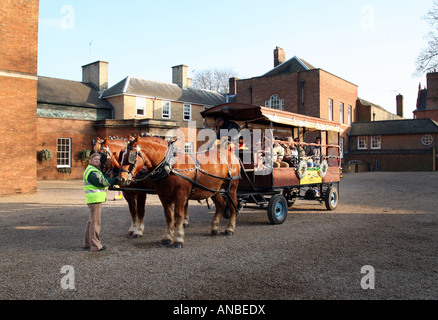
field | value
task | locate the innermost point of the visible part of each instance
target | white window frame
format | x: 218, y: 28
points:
x: 427, y: 140
x: 341, y: 112
x: 63, y: 152
x: 330, y: 109
x: 188, y: 147
x: 362, y: 142
x: 166, y: 106
x: 187, y: 112
x: 140, y: 106
x: 376, y: 142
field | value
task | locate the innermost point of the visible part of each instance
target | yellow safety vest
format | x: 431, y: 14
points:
x: 93, y: 194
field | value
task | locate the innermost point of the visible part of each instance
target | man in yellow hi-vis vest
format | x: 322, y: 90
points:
x: 95, y: 184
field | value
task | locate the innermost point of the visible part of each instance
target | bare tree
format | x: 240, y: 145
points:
x: 427, y: 60
x: 213, y: 79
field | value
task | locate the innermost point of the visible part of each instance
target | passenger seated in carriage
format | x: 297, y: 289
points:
x: 292, y: 148
x: 314, y: 154
x: 277, y: 156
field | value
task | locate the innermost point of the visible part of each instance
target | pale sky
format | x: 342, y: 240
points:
x: 373, y: 44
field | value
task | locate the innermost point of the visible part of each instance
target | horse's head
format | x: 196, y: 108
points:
x: 131, y: 163
x: 97, y: 144
x: 141, y: 152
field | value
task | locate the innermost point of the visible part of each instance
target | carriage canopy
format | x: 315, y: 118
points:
x: 257, y: 114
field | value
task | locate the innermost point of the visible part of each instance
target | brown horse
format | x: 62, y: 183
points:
x: 111, y: 148
x: 180, y: 177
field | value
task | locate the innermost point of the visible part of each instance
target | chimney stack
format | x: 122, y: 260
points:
x: 400, y: 104
x: 179, y: 76
x: 233, y: 85
x: 97, y: 74
x: 279, y: 56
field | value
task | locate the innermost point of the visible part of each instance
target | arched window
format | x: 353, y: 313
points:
x: 275, y: 102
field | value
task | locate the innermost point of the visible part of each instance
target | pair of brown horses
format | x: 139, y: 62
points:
x: 111, y: 149
x: 177, y: 178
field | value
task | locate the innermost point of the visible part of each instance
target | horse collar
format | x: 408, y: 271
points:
x: 163, y: 169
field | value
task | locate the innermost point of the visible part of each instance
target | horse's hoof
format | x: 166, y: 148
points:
x: 165, y: 242
x: 229, y: 233
x: 215, y: 232
x: 178, y: 245
x: 129, y: 235
x: 136, y: 236
x: 185, y: 225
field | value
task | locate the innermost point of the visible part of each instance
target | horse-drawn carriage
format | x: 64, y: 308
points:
x: 306, y: 177
x: 233, y: 175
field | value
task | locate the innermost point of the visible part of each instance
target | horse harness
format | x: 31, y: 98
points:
x: 165, y: 168
x: 105, y: 151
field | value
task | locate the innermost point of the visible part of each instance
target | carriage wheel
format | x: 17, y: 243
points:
x: 331, y: 198
x: 277, y: 209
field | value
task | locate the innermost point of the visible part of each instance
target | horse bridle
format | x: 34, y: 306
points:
x: 133, y: 154
x: 105, y: 151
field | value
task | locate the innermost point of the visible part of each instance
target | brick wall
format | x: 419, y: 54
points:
x: 398, y: 142
x: 18, y: 95
x: 17, y: 131
x: 81, y: 133
x: 319, y: 86
x: 422, y: 114
x: 339, y: 90
x: 19, y: 35
x: 288, y: 87
x: 419, y: 158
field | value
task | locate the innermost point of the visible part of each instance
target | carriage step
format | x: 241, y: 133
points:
x: 258, y: 199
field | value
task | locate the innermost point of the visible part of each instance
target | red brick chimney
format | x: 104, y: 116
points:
x: 432, y: 91
x: 233, y: 85
x: 400, y: 105
x: 279, y: 56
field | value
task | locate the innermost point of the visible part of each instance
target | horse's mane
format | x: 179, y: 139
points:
x: 111, y: 138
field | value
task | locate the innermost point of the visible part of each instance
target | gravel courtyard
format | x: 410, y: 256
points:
x: 384, y: 220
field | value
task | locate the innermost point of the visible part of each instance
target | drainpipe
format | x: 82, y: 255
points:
x: 302, y: 96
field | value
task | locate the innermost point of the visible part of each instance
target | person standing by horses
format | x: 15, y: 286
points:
x: 95, y: 184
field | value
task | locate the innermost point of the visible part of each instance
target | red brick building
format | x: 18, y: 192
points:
x: 18, y: 103
x: 395, y: 145
x: 427, y: 101
x: 297, y: 86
